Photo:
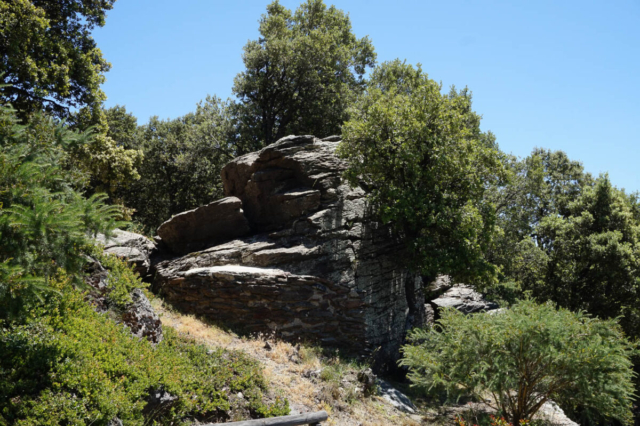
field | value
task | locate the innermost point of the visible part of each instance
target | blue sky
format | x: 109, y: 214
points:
x: 555, y: 74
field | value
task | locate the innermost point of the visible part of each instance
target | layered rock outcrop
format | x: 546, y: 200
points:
x: 312, y: 264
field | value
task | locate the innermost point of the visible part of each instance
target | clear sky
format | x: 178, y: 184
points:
x: 555, y: 74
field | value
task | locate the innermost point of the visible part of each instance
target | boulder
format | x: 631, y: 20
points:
x: 465, y: 299
x: 438, y: 287
x: 136, y: 249
x: 141, y: 319
x: 205, y: 226
x: 315, y: 265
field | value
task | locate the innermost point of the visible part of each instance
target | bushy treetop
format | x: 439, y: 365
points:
x: 301, y: 74
x: 426, y: 163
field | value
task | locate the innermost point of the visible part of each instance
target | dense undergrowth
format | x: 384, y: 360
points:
x: 67, y: 364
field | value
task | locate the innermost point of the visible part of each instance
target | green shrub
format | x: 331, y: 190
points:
x: 525, y: 356
x: 70, y: 365
x: 45, y: 221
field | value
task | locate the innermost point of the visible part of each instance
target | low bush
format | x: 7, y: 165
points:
x: 67, y: 364
x: 525, y: 356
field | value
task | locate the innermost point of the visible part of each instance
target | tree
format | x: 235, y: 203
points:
x: 182, y: 162
x: 47, y: 54
x: 426, y: 163
x: 542, y: 184
x: 525, y: 356
x: 591, y: 256
x: 45, y: 221
x: 301, y: 74
x: 122, y: 126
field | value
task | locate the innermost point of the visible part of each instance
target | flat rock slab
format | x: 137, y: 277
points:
x: 205, y: 226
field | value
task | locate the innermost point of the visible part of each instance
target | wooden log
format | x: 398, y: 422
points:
x: 296, y: 420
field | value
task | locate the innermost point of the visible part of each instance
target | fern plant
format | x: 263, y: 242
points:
x: 46, y: 223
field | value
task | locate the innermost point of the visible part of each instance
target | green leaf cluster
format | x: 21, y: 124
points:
x: 588, y: 258
x: 182, y: 161
x: 426, y: 163
x: 569, y: 238
x: 525, y: 356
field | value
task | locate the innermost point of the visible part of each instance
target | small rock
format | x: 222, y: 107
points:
x: 368, y: 380
x: 311, y: 374
x: 134, y: 248
x: 142, y: 319
x: 158, y: 402
x: 115, y: 422
x: 396, y: 398
x: 465, y: 299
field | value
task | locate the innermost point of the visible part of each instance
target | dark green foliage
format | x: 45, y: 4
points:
x: 110, y: 160
x: 69, y: 365
x: 45, y: 223
x: 543, y: 184
x: 122, y: 126
x: 182, y: 162
x: 568, y: 238
x: 301, y: 74
x: 426, y: 164
x: 525, y: 356
x: 588, y: 258
x: 48, y: 56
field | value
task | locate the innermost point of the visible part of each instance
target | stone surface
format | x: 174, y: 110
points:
x: 208, y: 225
x: 368, y: 380
x: 138, y: 316
x: 465, y: 299
x: 553, y: 415
x: 96, y: 276
x: 315, y: 266
x: 396, y: 398
x: 141, y: 319
x: 136, y: 249
x: 438, y: 287
x: 159, y: 401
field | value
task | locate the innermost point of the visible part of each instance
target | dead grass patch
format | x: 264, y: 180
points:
x: 307, y: 378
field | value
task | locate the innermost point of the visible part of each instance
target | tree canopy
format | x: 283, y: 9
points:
x: 183, y: 158
x: 426, y: 163
x: 301, y: 74
x: 47, y: 54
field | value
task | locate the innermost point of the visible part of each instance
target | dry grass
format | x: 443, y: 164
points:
x: 292, y: 371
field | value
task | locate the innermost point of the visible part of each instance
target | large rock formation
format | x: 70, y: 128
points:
x: 314, y: 265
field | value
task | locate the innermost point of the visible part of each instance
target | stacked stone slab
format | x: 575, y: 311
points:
x: 312, y: 266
